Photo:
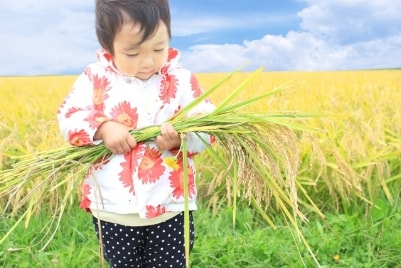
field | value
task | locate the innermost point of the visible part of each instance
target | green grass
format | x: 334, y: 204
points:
x: 357, y: 241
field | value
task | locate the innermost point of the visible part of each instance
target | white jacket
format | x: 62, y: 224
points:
x: 144, y: 180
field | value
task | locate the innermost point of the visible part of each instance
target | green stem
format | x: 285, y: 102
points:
x: 186, y: 198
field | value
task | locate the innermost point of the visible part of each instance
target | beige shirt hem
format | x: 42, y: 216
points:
x: 132, y: 219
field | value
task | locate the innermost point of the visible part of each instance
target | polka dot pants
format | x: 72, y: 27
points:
x: 160, y: 245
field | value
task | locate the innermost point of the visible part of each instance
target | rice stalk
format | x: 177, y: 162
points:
x: 186, y: 201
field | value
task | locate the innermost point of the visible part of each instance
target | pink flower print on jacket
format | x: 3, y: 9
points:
x: 85, y: 201
x: 71, y: 111
x: 101, y: 86
x: 177, y: 182
x: 172, y: 54
x: 126, y: 173
x: 152, y: 211
x: 95, y: 119
x: 195, y: 87
x: 151, y: 166
x: 79, y: 138
x: 168, y: 88
x: 124, y: 114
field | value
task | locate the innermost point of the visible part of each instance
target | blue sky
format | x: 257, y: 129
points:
x: 57, y: 37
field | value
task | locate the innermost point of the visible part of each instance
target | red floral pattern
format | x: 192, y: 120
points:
x: 85, y: 202
x: 195, y: 87
x: 124, y: 114
x: 177, y: 182
x: 168, y: 88
x: 172, y: 54
x: 151, y: 167
x: 126, y: 173
x: 101, y: 86
x: 79, y: 138
x: 152, y: 211
x: 95, y: 119
x: 71, y: 111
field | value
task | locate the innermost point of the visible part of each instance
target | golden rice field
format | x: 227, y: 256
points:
x: 353, y: 156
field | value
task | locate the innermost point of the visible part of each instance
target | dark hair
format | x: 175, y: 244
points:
x: 112, y: 14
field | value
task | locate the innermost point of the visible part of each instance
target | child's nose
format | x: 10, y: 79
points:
x: 147, y: 61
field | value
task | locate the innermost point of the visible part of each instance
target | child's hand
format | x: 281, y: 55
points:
x: 169, y: 138
x: 116, y: 137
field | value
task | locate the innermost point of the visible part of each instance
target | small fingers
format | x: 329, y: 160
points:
x: 161, y: 143
x: 122, y: 146
x: 131, y: 141
x: 168, y: 131
x: 169, y: 137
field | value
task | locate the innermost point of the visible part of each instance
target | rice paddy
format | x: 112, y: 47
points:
x: 350, y: 162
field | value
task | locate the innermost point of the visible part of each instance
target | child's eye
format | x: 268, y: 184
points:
x: 131, y: 55
x: 159, y: 50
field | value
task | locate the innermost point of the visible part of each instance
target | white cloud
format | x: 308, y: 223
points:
x: 335, y: 34
x: 187, y: 25
x: 204, y: 58
x: 295, y: 51
x: 347, y: 21
x: 59, y: 45
x: 34, y: 6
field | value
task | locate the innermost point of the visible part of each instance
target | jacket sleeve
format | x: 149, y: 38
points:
x: 78, y: 116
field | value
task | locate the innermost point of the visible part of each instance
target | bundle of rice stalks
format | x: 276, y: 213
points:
x: 257, y: 150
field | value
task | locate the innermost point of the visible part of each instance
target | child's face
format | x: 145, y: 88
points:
x: 140, y: 60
